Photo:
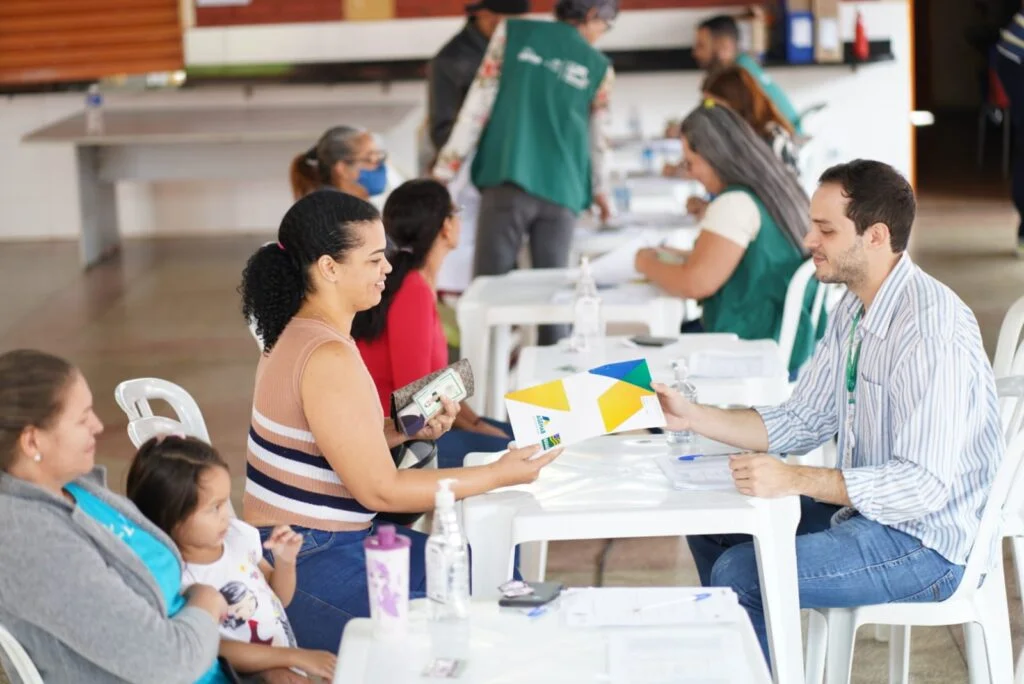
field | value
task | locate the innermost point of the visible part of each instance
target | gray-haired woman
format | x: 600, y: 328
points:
x: 751, y: 238
x: 345, y: 158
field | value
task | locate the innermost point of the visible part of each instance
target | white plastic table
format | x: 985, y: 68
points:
x: 543, y: 364
x: 493, y: 304
x: 199, y: 143
x: 504, y: 645
x: 610, y: 488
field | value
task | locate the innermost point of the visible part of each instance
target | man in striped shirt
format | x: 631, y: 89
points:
x: 901, y: 376
x: 1009, y: 65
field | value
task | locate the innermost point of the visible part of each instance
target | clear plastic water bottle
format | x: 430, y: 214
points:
x: 683, y: 385
x: 447, y: 560
x: 647, y: 159
x: 94, y: 110
x: 636, y: 127
x: 587, y: 319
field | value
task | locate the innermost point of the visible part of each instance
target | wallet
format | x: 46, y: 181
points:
x: 403, y: 398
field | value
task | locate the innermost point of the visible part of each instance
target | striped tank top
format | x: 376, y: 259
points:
x: 288, y: 481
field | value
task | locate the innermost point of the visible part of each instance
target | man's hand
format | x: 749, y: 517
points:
x: 762, y: 475
x: 678, y: 410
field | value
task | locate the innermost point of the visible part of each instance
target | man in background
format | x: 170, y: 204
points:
x: 717, y: 45
x: 1009, y: 65
x: 452, y: 70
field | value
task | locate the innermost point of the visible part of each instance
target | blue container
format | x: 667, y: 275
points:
x: 799, y: 37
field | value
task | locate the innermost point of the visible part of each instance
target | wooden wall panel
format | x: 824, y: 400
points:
x: 288, y: 11
x: 50, y: 41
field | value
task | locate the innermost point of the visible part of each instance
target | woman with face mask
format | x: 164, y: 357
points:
x: 345, y: 158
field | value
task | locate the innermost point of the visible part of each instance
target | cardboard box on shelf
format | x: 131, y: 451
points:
x: 828, y: 42
x: 753, y: 28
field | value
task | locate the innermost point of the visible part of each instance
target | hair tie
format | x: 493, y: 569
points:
x: 709, y: 103
x: 280, y: 246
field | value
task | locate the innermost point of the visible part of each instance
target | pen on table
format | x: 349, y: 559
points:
x: 690, y: 457
x: 687, y: 599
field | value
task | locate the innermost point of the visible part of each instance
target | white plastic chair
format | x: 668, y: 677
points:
x: 255, y: 335
x: 1009, y: 345
x: 141, y: 430
x: 982, y: 610
x: 24, y: 668
x: 825, y: 300
x: 134, y: 396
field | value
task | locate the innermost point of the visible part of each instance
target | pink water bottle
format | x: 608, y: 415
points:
x: 387, y: 580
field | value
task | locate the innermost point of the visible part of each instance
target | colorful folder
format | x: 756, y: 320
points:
x: 613, y: 398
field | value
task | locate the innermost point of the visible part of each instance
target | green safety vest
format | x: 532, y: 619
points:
x: 750, y: 303
x: 538, y: 136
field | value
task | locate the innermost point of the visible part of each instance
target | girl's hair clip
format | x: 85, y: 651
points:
x: 280, y: 246
x: 709, y: 103
x: 407, y: 249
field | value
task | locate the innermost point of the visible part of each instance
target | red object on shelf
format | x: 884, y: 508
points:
x: 861, y: 48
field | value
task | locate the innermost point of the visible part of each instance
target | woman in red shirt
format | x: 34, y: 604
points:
x: 401, y: 339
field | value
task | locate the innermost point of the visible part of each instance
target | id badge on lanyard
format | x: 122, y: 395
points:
x: 852, y: 362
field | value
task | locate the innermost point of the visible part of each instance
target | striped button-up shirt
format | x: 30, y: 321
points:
x: 920, y: 445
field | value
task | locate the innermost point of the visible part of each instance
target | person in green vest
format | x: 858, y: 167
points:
x: 716, y: 45
x: 751, y: 238
x: 534, y: 117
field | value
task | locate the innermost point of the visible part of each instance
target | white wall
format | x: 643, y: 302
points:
x: 867, y: 116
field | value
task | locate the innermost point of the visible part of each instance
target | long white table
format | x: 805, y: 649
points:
x: 493, y: 304
x: 612, y: 488
x: 505, y: 645
x: 236, y: 143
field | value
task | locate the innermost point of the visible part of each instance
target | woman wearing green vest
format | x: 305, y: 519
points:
x: 751, y: 239
x: 534, y: 118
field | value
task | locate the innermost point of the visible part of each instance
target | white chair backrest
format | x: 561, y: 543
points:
x: 255, y: 335
x: 1008, y: 347
x: 133, y: 396
x: 1004, y: 500
x: 825, y: 300
x: 141, y: 430
x: 1011, y: 393
x: 795, y: 294
x: 24, y: 669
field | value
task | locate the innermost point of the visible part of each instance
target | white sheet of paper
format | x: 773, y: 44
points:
x: 706, y: 473
x: 616, y: 267
x: 649, y: 606
x: 729, y: 364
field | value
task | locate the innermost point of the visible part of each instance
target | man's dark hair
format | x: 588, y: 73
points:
x: 877, y: 193
x: 721, y: 26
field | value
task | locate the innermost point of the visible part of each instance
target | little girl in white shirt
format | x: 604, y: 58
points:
x: 183, y: 486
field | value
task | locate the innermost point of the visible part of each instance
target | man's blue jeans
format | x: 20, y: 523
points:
x: 856, y: 563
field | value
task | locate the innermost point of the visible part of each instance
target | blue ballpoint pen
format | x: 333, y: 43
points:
x: 690, y: 457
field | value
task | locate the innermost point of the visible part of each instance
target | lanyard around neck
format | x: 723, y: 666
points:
x: 853, y: 360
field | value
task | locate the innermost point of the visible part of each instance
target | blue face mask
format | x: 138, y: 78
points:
x: 374, y: 181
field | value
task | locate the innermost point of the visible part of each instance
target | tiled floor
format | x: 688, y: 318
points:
x: 169, y: 308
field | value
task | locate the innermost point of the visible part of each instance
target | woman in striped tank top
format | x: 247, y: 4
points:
x: 319, y: 447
